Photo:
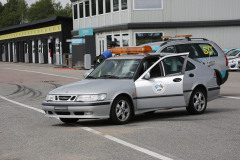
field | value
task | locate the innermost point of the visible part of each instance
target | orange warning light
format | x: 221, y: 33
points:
x: 166, y: 36
x: 120, y: 50
x: 183, y: 36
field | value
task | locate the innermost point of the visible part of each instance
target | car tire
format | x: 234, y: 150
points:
x: 197, y: 102
x: 121, y: 110
x: 69, y: 120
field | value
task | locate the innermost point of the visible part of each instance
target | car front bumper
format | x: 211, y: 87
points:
x: 234, y: 66
x: 96, y: 110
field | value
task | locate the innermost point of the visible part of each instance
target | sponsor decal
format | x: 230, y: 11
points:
x: 159, y: 87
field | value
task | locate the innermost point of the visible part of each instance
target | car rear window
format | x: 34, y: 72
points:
x: 207, y: 50
x: 194, y: 52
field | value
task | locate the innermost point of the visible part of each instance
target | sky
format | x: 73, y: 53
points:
x: 64, y: 2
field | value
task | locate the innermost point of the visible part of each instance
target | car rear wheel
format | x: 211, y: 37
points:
x: 121, y: 110
x: 69, y: 120
x: 197, y: 102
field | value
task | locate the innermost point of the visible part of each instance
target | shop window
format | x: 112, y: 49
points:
x: 117, y: 39
x: 108, y: 6
x: 93, y: 7
x: 115, y: 5
x: 142, y: 38
x: 124, y: 4
x: 109, y: 38
x: 81, y: 10
x: 151, y: 4
x: 100, y: 6
x: 87, y: 11
x: 125, y: 40
x: 75, y: 14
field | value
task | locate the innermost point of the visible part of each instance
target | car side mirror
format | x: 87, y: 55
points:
x: 147, y: 76
x: 87, y: 73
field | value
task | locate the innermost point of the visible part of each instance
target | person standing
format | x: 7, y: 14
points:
x: 106, y: 54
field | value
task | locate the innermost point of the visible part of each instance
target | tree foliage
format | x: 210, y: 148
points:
x: 13, y: 12
x: 41, y: 9
x: 17, y: 11
x: 1, y: 9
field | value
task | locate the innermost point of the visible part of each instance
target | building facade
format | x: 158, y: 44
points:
x: 42, y: 41
x: 134, y: 22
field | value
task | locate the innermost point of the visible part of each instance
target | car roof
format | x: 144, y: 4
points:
x: 136, y: 56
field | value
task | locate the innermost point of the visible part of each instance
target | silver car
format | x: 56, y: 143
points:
x: 233, y: 57
x: 124, y: 86
x: 200, y: 49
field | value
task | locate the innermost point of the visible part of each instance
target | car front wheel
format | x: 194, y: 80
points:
x: 69, y: 120
x: 121, y: 110
x: 198, y: 102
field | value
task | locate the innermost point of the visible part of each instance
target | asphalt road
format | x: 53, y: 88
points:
x: 26, y: 134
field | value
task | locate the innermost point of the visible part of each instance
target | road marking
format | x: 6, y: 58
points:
x: 41, y: 73
x: 230, y: 97
x: 23, y: 105
x: 140, y: 149
x: 137, y: 148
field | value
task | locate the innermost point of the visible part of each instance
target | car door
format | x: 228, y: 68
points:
x: 164, y: 90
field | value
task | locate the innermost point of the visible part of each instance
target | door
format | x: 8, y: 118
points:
x: 101, y: 46
x: 14, y: 49
x: 40, y: 52
x: 33, y: 52
x: 161, y: 85
x: 26, y: 54
x: 57, y: 44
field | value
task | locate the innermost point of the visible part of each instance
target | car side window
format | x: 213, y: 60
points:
x: 156, y: 71
x: 207, y: 50
x: 193, y: 52
x: 190, y: 66
x: 173, y: 65
x: 146, y: 64
x: 169, y: 49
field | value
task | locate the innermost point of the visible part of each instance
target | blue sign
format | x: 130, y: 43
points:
x: 85, y: 32
x: 70, y: 48
x: 78, y: 41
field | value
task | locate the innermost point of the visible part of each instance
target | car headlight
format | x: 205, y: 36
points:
x: 91, y: 97
x: 50, y: 97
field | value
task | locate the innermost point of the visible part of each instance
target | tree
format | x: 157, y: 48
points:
x: 13, y: 12
x: 60, y: 11
x: 41, y: 9
x: 1, y: 10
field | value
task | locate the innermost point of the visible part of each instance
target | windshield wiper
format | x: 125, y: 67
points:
x: 91, y: 77
x: 110, y: 76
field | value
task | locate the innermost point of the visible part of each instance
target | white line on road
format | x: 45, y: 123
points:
x: 23, y: 105
x: 40, y: 73
x: 230, y: 97
x: 137, y: 148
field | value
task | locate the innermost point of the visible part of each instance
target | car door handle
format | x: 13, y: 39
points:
x: 191, y: 75
x: 177, y: 80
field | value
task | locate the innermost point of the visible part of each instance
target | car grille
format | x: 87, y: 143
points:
x: 65, y: 97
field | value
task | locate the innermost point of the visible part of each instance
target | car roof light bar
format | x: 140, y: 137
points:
x: 127, y: 50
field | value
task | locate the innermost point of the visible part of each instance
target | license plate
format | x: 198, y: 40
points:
x: 61, y: 108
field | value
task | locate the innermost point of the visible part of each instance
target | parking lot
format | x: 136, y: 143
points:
x: 25, y: 133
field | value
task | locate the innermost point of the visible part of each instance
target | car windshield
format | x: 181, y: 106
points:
x: 233, y: 53
x: 115, y: 69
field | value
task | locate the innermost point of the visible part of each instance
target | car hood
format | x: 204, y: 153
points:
x: 231, y: 57
x: 93, y: 86
x: 237, y: 59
